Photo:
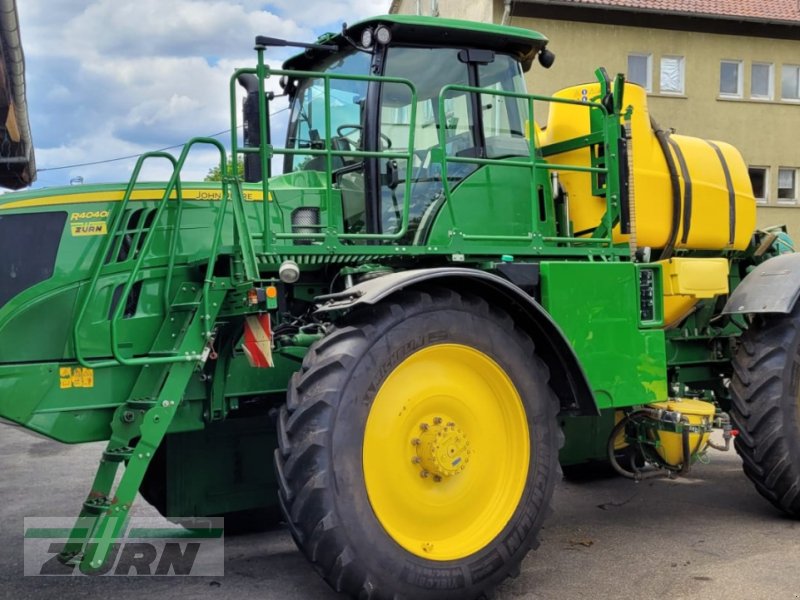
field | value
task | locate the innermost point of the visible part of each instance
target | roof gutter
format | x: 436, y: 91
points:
x: 653, y: 11
x: 15, y: 64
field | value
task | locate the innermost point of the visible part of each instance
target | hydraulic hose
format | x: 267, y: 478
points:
x: 687, y: 456
x: 636, y: 474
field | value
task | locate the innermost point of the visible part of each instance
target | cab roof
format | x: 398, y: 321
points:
x: 521, y: 43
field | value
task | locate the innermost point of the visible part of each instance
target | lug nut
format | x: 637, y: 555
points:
x: 437, y: 478
x: 416, y: 442
x: 437, y: 420
x: 424, y: 474
x: 423, y: 426
x: 416, y: 460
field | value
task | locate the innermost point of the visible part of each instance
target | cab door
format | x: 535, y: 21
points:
x: 457, y: 124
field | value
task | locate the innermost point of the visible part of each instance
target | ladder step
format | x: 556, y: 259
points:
x: 184, y: 306
x: 162, y: 353
x: 140, y: 403
x: 97, y: 505
x: 70, y: 558
x: 118, y: 454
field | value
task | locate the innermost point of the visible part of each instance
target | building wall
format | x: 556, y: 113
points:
x: 471, y: 10
x: 766, y: 132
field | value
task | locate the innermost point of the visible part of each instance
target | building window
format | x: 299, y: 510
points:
x: 761, y: 81
x: 672, y: 76
x: 759, y: 177
x: 640, y: 70
x: 730, y: 78
x: 787, y: 185
x: 790, y: 82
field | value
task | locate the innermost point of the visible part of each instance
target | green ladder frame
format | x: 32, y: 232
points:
x: 182, y: 345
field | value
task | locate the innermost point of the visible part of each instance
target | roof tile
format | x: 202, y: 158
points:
x: 761, y: 10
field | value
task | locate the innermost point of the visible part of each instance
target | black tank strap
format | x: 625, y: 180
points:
x: 687, y: 189
x: 662, y: 137
x: 731, y: 193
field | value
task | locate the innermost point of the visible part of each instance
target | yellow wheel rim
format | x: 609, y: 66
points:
x: 446, y: 452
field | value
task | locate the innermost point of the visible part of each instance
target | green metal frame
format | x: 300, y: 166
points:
x: 600, y: 244
x: 174, y: 185
x: 609, y: 136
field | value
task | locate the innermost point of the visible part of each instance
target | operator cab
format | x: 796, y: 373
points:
x: 377, y: 116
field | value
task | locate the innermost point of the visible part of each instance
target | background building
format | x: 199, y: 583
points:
x: 17, y: 163
x: 718, y: 69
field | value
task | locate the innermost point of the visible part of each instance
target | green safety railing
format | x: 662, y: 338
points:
x: 266, y: 151
x: 609, y: 135
x: 333, y: 234
x: 173, y: 185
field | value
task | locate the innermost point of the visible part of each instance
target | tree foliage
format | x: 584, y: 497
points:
x: 215, y: 173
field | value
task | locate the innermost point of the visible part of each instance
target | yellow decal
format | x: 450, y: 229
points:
x: 85, y: 223
x: 89, y: 228
x: 91, y: 214
x: 77, y: 377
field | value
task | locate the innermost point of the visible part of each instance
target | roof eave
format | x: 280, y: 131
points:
x: 21, y: 169
x: 652, y: 11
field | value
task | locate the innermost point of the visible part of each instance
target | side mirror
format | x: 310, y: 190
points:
x: 546, y: 58
x: 250, y: 125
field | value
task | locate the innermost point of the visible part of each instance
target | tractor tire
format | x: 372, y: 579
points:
x: 418, y: 449
x: 766, y: 407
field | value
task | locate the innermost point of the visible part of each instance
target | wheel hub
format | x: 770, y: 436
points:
x: 431, y: 495
x: 442, y: 449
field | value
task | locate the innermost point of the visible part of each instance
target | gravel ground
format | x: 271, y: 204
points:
x: 705, y: 537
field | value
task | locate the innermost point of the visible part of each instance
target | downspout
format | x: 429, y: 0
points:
x: 15, y: 65
x: 506, y: 12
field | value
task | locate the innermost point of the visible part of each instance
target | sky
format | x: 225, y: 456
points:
x: 108, y: 79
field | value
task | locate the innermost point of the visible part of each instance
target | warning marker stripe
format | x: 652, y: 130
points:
x: 258, y: 341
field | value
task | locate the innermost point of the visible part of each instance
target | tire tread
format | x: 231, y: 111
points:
x: 761, y: 391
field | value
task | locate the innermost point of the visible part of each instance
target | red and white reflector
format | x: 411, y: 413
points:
x: 257, y: 344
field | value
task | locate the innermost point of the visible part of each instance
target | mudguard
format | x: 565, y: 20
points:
x: 567, y: 377
x: 772, y: 287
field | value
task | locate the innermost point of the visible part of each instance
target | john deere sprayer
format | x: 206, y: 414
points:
x: 442, y: 299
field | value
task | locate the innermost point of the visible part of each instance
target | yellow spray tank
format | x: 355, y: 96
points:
x: 689, y: 193
x: 697, y: 415
x: 669, y: 435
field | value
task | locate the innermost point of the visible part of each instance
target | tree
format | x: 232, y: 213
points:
x: 214, y: 174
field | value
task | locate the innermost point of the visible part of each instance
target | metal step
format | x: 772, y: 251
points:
x: 119, y: 454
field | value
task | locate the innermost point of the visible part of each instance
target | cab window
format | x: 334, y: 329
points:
x: 429, y: 69
x: 347, y: 101
x: 505, y: 119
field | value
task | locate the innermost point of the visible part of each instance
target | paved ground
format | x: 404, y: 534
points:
x: 707, y: 537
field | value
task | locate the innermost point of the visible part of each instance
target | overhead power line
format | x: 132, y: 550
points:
x: 132, y: 156
x: 119, y: 158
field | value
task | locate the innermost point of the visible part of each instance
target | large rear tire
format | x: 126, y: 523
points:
x: 766, y: 407
x: 419, y: 449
